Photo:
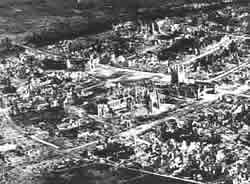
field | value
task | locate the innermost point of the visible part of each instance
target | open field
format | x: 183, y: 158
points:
x: 44, y: 20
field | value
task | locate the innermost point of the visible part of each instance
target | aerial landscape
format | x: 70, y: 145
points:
x: 124, y: 92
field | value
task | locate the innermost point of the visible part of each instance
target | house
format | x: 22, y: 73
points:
x: 7, y: 147
x: 114, y: 105
x: 102, y: 110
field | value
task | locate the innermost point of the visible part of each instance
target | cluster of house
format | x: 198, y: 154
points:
x: 123, y: 98
x: 52, y: 61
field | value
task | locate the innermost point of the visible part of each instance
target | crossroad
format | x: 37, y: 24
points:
x: 141, y: 129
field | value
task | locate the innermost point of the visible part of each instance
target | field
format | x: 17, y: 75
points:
x: 40, y: 21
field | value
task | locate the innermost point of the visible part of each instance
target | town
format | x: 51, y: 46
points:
x: 160, y: 96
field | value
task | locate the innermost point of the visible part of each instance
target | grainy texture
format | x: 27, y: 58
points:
x: 33, y: 20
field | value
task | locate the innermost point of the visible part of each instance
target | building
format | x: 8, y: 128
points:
x: 178, y: 74
x: 102, y: 110
x: 71, y: 124
x: 7, y: 147
x: 153, y: 101
x: 111, y: 105
x: 92, y: 62
x: 121, y: 104
x: 5, y: 44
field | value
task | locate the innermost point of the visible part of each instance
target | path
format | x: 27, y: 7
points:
x: 214, y: 48
x: 225, y: 73
x: 127, y: 74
